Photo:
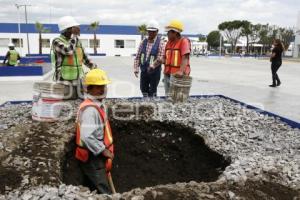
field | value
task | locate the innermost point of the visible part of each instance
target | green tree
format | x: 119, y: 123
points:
x: 213, y: 39
x: 264, y: 36
x: 287, y: 35
x: 142, y: 30
x: 94, y: 26
x: 246, y: 31
x: 232, y: 31
x: 202, y: 38
x: 40, y: 29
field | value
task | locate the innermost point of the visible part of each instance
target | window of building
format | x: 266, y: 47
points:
x: 46, y: 43
x: 92, y: 42
x: 119, y: 43
x: 17, y: 42
x: 85, y: 43
x: 130, y: 44
x: 4, y: 42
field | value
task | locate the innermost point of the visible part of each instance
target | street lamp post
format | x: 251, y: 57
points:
x: 26, y: 21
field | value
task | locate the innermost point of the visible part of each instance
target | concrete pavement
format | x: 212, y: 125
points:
x: 244, y: 79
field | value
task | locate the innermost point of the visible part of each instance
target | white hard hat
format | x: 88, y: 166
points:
x: 11, y: 45
x: 66, y: 22
x: 152, y: 25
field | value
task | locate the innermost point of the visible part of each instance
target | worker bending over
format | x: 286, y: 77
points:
x: 12, y: 56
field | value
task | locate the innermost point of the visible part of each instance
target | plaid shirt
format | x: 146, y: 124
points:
x: 61, y: 50
x: 157, y: 62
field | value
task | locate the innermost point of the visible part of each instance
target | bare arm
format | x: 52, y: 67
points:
x: 184, y: 62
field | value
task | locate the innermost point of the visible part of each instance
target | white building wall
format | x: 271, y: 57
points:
x: 297, y: 39
x: 107, y: 43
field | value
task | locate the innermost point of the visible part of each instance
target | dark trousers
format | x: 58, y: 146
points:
x: 149, y: 82
x: 274, y: 68
x: 95, y: 174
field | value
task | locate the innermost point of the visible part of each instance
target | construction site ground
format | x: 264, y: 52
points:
x: 208, y: 148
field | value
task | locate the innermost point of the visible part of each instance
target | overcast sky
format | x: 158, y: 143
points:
x: 199, y: 16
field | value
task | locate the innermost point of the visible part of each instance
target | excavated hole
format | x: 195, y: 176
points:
x: 153, y: 153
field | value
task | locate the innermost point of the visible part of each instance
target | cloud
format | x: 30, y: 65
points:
x: 199, y: 16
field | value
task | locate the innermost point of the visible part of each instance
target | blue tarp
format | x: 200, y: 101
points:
x: 33, y: 59
x: 21, y: 71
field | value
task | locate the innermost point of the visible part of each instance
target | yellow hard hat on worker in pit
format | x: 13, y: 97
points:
x: 175, y: 25
x: 96, y: 77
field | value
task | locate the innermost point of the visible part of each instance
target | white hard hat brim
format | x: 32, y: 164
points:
x: 152, y: 29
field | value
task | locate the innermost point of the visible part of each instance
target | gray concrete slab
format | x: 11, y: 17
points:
x: 244, y: 79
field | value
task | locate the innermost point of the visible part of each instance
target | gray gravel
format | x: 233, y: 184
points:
x: 260, y: 147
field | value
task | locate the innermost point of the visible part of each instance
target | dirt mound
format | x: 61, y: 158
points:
x: 254, y: 190
x: 37, y: 158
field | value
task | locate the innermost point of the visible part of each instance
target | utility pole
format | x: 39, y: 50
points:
x: 221, y: 44
x: 19, y: 29
x: 26, y: 21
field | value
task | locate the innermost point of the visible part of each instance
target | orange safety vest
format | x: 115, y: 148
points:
x: 173, y: 58
x: 81, y: 152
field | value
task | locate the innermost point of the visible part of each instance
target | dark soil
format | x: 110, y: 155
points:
x: 148, y: 154
x: 9, y: 178
x: 265, y: 190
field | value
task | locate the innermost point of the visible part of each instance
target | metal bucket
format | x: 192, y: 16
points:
x: 47, y: 101
x: 180, y: 88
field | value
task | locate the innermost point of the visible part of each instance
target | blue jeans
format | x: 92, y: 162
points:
x: 149, y: 82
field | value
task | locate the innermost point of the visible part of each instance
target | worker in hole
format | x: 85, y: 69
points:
x: 12, y: 56
x: 68, y: 57
x: 93, y: 133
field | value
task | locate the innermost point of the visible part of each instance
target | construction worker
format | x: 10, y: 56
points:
x: 177, y: 53
x: 94, y: 138
x: 12, y: 56
x: 149, y: 59
x: 68, y: 57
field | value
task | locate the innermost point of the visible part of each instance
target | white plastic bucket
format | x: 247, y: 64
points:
x: 47, y: 101
x: 180, y: 88
x: 46, y: 109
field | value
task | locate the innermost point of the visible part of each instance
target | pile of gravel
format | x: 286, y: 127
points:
x: 260, y: 147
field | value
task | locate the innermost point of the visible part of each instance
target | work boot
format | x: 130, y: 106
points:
x: 278, y: 83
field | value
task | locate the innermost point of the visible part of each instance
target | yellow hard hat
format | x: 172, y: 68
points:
x: 175, y: 25
x: 96, y: 77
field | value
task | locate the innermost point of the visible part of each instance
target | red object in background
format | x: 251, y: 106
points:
x: 39, y: 61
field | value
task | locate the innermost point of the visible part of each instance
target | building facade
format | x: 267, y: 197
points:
x: 296, y: 53
x: 112, y: 40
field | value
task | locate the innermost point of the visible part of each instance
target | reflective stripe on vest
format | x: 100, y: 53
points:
x: 108, y: 139
x: 71, y: 66
x: 174, y: 58
x: 147, y: 61
x: 13, y: 57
